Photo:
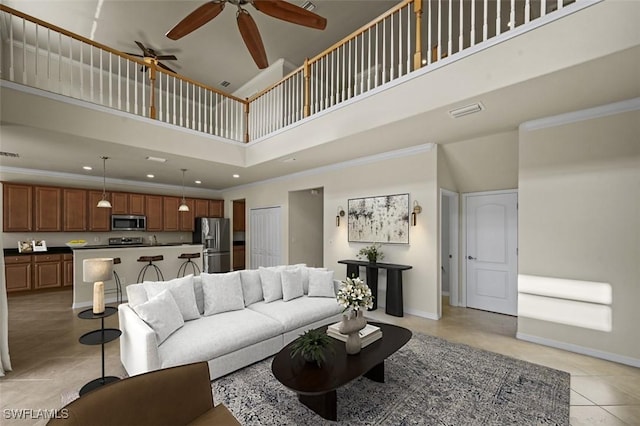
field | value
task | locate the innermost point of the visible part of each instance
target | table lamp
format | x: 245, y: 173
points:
x: 97, y: 271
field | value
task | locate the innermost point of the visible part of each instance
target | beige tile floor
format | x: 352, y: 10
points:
x: 48, y: 360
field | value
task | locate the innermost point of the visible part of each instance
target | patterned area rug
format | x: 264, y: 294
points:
x: 429, y: 381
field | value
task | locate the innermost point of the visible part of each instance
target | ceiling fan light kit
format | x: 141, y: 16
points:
x: 279, y: 9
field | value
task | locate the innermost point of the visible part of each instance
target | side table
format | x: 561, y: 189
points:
x: 99, y: 337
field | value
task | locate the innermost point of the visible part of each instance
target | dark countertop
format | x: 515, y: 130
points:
x: 50, y: 250
x: 238, y: 243
x: 121, y: 246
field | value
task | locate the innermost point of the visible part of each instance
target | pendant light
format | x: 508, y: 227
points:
x: 104, y: 203
x: 183, y: 207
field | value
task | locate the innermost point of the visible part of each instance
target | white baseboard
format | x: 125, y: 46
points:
x: 622, y: 359
x: 422, y: 314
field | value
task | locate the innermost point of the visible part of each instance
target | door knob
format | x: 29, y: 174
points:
x: 471, y: 258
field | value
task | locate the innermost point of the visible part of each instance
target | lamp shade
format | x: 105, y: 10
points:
x: 98, y: 269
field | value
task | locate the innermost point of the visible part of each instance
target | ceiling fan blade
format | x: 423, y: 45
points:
x: 167, y: 57
x: 251, y: 36
x: 196, y: 19
x: 290, y: 13
x: 161, y: 65
x: 144, y: 49
x: 134, y: 54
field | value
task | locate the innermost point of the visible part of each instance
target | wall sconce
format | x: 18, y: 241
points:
x: 340, y: 214
x: 416, y: 211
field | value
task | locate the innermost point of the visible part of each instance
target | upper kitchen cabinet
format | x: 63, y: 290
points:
x: 17, y: 207
x: 99, y: 217
x: 238, y: 215
x: 48, y: 211
x: 126, y: 203
x: 216, y: 208
x: 170, y: 213
x: 154, y: 208
x: 186, y: 218
x: 74, y: 206
x: 200, y: 208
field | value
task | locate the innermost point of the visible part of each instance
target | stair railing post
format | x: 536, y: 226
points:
x: 417, y: 57
x: 307, y: 88
x: 152, y: 90
x: 246, y: 120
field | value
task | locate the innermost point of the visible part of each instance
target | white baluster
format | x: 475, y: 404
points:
x: 485, y: 21
x: 384, y: 51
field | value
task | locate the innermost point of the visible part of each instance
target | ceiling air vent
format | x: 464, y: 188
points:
x: 9, y: 154
x: 466, y: 110
x: 307, y: 5
x: 224, y: 83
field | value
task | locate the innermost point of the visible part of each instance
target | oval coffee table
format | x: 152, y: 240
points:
x: 316, y: 387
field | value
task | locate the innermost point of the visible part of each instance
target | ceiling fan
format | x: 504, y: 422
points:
x: 248, y: 29
x: 150, y: 55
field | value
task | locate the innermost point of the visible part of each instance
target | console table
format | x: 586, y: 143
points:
x: 394, y: 299
x: 99, y: 337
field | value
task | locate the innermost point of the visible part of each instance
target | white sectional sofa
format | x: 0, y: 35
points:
x: 229, y: 320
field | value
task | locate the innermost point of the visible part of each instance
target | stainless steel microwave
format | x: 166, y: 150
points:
x: 120, y: 222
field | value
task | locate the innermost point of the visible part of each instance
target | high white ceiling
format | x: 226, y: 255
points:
x: 214, y: 52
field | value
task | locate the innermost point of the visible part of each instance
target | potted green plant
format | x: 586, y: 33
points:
x: 373, y: 253
x: 312, y: 346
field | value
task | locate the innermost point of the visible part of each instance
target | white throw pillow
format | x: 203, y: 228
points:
x: 197, y: 289
x: 222, y: 292
x: 251, y: 286
x: 136, y: 294
x: 321, y: 283
x: 305, y: 277
x: 162, y: 314
x: 182, y: 291
x: 291, y: 284
x: 271, y: 284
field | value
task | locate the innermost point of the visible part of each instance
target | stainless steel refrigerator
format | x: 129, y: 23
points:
x: 215, y: 236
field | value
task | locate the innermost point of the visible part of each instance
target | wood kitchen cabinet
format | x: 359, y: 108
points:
x: 137, y: 204
x: 17, y: 272
x: 17, y: 209
x: 47, y: 271
x: 74, y: 206
x: 238, y: 257
x: 126, y: 203
x: 154, y: 207
x: 216, y: 208
x: 99, y: 217
x: 200, y: 208
x: 187, y: 222
x: 48, y: 209
x: 170, y: 220
x: 238, y: 215
x: 67, y: 270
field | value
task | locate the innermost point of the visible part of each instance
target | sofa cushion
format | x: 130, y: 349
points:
x: 298, y: 312
x: 291, y: 284
x: 251, y: 286
x: 182, y: 291
x: 197, y: 289
x: 136, y: 294
x: 162, y: 314
x: 271, y: 283
x: 304, y: 269
x: 222, y: 292
x: 321, y: 283
x: 216, y: 335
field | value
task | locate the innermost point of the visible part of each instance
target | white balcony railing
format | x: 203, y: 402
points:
x: 412, y: 35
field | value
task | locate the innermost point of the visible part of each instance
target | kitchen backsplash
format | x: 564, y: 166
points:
x: 57, y: 239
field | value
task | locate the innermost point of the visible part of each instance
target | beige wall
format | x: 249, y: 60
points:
x: 414, y: 174
x: 480, y: 164
x: 306, y: 209
x: 579, y: 218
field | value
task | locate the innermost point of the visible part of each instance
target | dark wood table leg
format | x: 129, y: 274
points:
x: 353, y: 271
x: 394, y: 293
x: 324, y: 405
x: 372, y: 282
x: 376, y: 373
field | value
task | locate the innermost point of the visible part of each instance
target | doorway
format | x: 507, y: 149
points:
x: 449, y: 225
x: 266, y: 237
x: 491, y: 251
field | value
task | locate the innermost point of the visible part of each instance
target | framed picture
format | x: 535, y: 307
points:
x: 383, y: 219
x: 25, y: 247
x: 39, y: 245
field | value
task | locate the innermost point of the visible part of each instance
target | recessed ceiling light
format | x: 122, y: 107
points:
x: 87, y: 167
x: 150, y: 176
x: 158, y: 159
x: 198, y: 182
x: 236, y: 176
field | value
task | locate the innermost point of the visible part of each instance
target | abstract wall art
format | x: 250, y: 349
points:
x: 382, y: 219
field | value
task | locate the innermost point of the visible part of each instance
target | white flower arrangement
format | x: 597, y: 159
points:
x: 354, y: 294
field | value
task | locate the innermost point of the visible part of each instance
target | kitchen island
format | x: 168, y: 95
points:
x: 129, y: 267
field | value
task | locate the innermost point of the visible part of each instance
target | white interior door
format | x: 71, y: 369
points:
x: 492, y: 251
x: 265, y: 241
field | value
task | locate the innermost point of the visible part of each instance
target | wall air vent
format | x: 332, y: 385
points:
x: 466, y: 110
x: 307, y: 5
x: 9, y: 154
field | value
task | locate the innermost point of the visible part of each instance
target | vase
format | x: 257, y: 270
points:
x: 351, y: 325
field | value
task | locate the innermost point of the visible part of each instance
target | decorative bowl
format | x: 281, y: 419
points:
x: 75, y: 245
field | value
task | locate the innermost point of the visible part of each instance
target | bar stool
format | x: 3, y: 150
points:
x: 182, y: 270
x: 157, y: 270
x: 118, y: 288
